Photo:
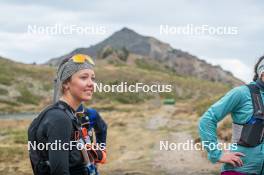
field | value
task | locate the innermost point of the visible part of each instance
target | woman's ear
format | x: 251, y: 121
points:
x: 65, y: 86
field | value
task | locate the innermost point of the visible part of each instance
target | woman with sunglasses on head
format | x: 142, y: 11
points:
x: 245, y: 104
x: 58, y: 123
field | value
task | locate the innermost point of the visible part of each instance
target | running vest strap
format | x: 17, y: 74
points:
x: 251, y: 133
x: 258, y: 108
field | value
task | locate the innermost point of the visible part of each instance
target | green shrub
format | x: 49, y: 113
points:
x: 5, y: 79
x: 106, y: 52
x: 123, y: 54
x: 27, y: 97
x: 3, y: 92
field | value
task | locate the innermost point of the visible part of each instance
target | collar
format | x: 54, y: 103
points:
x: 67, y: 106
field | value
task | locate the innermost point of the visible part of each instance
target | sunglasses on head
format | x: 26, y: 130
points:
x: 81, y: 58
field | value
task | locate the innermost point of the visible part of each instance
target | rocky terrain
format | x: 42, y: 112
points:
x: 149, y: 48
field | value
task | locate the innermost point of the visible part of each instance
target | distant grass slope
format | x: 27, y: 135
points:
x: 27, y: 88
x: 23, y: 87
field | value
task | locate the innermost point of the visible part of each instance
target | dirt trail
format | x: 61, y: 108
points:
x: 180, y: 160
x: 135, y: 142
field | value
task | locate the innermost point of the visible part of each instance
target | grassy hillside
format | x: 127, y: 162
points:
x: 27, y: 88
x: 23, y: 87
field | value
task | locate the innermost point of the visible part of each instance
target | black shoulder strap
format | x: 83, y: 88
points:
x: 71, y: 115
x: 73, y: 119
x: 258, y: 107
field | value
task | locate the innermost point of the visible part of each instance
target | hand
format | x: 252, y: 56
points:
x: 96, y: 155
x: 232, y: 158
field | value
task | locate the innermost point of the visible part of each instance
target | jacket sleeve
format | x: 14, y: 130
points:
x: 59, y: 130
x: 208, y: 122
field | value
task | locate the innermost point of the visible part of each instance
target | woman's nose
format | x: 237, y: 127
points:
x: 90, y: 82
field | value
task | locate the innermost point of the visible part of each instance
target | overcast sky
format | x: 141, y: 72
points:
x: 236, y: 52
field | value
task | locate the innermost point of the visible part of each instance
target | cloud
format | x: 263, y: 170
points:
x: 237, y: 67
x: 145, y: 17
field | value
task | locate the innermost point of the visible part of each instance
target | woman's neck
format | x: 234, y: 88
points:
x: 71, y: 101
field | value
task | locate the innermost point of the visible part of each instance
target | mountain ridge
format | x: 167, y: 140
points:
x: 183, y: 63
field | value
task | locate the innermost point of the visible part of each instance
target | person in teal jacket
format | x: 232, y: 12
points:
x: 237, y: 102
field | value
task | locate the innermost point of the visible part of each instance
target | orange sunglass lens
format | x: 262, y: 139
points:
x: 79, y: 58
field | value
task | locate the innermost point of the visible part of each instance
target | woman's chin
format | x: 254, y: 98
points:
x: 87, y: 98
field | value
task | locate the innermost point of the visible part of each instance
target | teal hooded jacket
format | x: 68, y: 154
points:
x: 238, y: 103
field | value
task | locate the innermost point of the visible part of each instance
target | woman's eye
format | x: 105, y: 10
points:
x: 83, y: 78
x: 93, y: 78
